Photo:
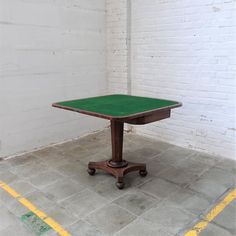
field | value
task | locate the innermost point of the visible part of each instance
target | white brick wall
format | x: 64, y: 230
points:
x: 116, y: 25
x: 55, y: 49
x: 51, y: 50
x: 185, y: 50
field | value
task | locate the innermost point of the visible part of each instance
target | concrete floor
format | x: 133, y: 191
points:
x: 181, y: 187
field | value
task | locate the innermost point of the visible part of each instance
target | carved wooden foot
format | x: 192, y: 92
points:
x: 91, y: 171
x: 118, y: 172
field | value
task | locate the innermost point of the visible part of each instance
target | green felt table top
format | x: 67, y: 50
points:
x: 117, y: 105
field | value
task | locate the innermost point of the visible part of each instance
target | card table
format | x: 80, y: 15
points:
x: 120, y: 109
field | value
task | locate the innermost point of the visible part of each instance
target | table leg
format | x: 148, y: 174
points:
x: 117, y: 166
x: 117, y: 133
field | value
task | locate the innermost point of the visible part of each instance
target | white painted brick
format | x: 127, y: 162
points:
x: 51, y: 50
x: 183, y: 50
x: 55, y: 49
x: 116, y: 46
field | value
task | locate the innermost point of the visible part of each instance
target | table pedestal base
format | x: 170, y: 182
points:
x: 118, y: 172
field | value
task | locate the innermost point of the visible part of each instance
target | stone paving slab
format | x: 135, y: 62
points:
x: 45, y: 178
x: 8, y: 177
x: 7, y: 218
x: 222, y: 177
x: 137, y: 202
x: 4, y: 166
x: 62, y: 189
x: 159, y: 188
x: 210, y: 188
x: 17, y: 228
x: 181, y: 178
x: 110, y: 218
x: 108, y: 190
x: 214, y: 230
x: 25, y: 159
x: 61, y: 215
x: 17, y: 208
x: 155, y: 167
x: 169, y: 217
x: 23, y: 187
x: 142, y: 227
x: 228, y: 165
x: 227, y: 219
x: 70, y: 169
x: 83, y: 203
x: 40, y: 200
x: 82, y: 178
x: 206, y: 158
x: 174, y: 155
x: 181, y: 186
x: 29, y: 169
x: 190, y: 201
x: 83, y: 228
x: 5, y: 198
x: 193, y: 165
x: 141, y: 154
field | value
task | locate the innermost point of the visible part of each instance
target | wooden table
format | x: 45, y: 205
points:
x: 120, y: 109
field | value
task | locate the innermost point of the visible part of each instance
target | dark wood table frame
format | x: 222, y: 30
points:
x: 117, y: 166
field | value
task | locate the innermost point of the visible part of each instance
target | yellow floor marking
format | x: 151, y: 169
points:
x: 212, y: 214
x: 57, y: 227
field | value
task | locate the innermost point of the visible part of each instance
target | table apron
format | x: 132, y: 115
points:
x: 145, y: 119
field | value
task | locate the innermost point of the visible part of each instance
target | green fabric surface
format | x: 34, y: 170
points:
x: 117, y: 105
x: 38, y: 226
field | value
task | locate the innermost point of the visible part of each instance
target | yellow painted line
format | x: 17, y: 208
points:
x: 48, y: 220
x: 11, y: 191
x: 212, y: 214
x: 31, y: 207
